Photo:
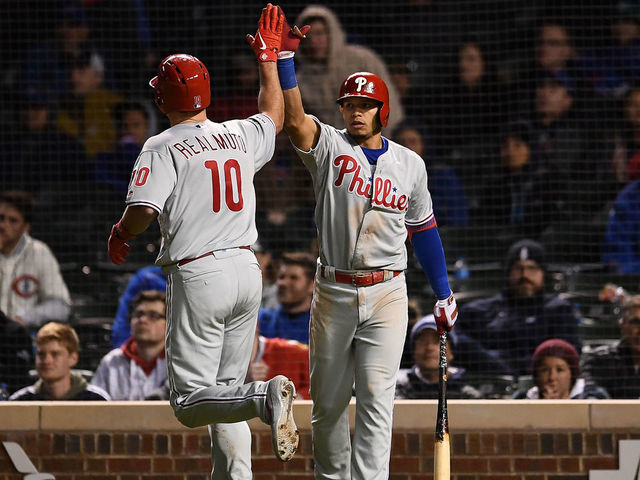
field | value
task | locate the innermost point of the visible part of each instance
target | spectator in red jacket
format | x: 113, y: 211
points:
x: 279, y: 356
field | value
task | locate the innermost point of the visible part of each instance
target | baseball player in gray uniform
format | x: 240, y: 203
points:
x: 197, y: 179
x: 369, y: 193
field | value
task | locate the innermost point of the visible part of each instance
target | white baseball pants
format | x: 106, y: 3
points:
x: 212, y: 309
x: 356, y: 333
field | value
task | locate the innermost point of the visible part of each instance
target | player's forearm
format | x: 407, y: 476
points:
x: 301, y: 128
x: 294, y: 114
x: 270, y: 97
x: 428, y: 249
x: 137, y: 218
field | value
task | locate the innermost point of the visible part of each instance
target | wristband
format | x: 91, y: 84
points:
x: 287, y: 72
x: 122, y: 232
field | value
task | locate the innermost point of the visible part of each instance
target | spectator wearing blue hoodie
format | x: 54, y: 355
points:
x: 621, y: 249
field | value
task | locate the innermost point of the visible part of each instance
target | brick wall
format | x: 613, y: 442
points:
x: 139, y: 449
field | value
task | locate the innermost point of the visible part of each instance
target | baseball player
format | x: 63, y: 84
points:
x: 369, y: 192
x: 197, y: 178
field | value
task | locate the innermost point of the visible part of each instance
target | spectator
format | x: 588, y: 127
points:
x: 16, y: 355
x: 626, y: 154
x: 560, y: 142
x: 555, y: 51
x: 621, y: 250
x: 290, y: 320
x: 612, y: 68
x: 86, y: 113
x: 32, y: 288
x: 132, y: 122
x: 626, y: 32
x: 617, y: 367
x: 447, y: 192
x: 412, y: 94
x: 56, y: 354
x: 554, y: 56
x: 241, y: 102
x: 465, y: 111
x: 425, y: 38
x: 421, y: 380
x: 558, y: 139
x: 49, y: 62
x: 520, y: 193
x: 556, y: 373
x: 269, y: 276
x: 146, y: 278
x: 325, y: 59
x: 136, y: 369
x: 415, y: 314
x: 41, y: 155
x: 285, y: 225
x: 279, y: 356
x: 512, y: 323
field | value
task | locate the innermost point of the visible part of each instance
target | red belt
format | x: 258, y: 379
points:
x: 188, y: 260
x: 360, y: 279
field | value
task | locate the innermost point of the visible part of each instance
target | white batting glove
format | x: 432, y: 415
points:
x: 446, y: 313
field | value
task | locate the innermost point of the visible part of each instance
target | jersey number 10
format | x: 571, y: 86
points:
x: 231, y: 171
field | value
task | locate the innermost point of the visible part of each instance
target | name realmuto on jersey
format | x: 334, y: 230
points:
x: 383, y: 190
x: 202, y: 143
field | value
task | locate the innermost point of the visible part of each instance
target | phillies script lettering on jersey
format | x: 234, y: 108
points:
x: 222, y: 141
x: 384, y: 193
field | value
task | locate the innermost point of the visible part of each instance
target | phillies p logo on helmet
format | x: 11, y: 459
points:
x: 360, y: 82
x: 367, y: 85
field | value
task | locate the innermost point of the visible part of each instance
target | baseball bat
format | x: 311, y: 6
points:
x: 441, y: 454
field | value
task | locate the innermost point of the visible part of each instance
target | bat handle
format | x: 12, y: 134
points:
x: 441, y: 459
x: 441, y: 452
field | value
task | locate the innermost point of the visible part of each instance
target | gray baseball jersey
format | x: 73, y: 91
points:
x: 199, y: 178
x: 362, y: 209
x: 357, y: 333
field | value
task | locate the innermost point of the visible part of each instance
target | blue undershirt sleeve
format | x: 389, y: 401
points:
x: 428, y: 248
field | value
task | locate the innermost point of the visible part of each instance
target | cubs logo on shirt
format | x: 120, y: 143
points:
x: 26, y: 286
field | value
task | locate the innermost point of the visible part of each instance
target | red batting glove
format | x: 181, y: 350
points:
x: 266, y: 43
x: 446, y: 313
x: 291, y: 39
x: 118, y: 248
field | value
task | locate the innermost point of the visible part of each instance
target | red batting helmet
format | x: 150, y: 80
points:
x: 368, y: 85
x: 182, y: 84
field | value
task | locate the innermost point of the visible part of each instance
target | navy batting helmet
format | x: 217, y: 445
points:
x: 367, y: 85
x: 182, y: 84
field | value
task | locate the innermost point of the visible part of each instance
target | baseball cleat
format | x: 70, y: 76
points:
x: 284, y: 434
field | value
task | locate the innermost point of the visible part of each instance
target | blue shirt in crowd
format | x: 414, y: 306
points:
x: 275, y: 322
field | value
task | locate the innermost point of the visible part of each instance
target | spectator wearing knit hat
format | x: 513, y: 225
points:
x: 556, y: 373
x: 512, y: 323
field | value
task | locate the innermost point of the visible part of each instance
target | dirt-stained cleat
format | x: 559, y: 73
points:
x: 284, y: 433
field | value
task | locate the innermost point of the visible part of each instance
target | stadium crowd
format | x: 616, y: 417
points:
x: 528, y: 122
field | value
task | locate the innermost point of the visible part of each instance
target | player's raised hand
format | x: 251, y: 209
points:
x: 266, y: 43
x: 117, y: 244
x: 291, y: 38
x: 446, y: 313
